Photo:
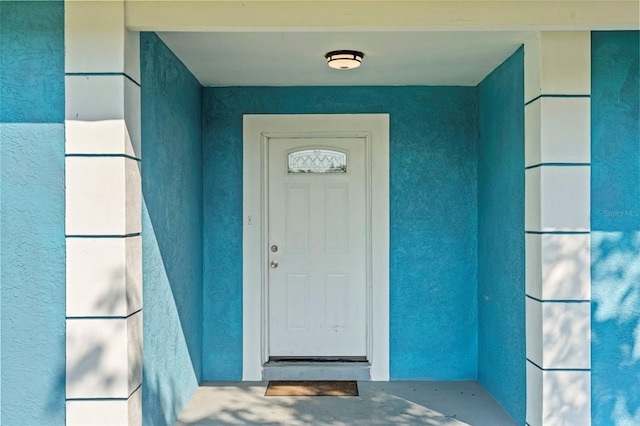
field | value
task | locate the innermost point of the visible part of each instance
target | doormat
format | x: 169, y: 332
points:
x: 312, y: 388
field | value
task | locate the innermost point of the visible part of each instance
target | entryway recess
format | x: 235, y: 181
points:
x: 315, y: 241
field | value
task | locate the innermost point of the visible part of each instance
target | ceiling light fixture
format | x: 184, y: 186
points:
x: 344, y: 59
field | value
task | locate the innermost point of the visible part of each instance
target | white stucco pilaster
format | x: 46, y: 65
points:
x: 103, y: 216
x: 557, y: 228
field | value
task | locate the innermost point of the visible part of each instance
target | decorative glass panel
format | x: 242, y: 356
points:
x: 317, y: 161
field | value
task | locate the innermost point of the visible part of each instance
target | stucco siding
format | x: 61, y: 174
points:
x: 501, y: 255
x: 171, y: 232
x: 32, y: 221
x: 433, y: 306
x: 615, y: 225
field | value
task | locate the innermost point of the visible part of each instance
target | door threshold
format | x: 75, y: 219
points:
x: 316, y: 370
x: 322, y: 359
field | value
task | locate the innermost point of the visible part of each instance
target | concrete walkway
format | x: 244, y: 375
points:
x: 379, y: 403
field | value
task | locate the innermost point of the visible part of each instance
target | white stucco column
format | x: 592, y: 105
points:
x: 557, y: 227
x: 103, y: 216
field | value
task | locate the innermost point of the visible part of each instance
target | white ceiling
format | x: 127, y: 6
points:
x: 297, y: 58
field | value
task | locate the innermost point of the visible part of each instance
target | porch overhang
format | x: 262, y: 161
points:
x: 322, y: 15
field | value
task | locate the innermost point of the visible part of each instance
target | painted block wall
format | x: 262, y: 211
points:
x: 433, y: 292
x: 32, y: 241
x: 501, y: 252
x: 171, y: 105
x: 615, y: 228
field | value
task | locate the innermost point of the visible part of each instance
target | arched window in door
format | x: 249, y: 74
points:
x: 317, y: 161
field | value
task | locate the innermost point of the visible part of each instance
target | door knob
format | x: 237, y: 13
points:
x: 274, y: 263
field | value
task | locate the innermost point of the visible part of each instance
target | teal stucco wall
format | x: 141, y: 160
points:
x: 171, y: 232
x: 32, y: 240
x: 501, y: 255
x: 433, y: 293
x: 615, y: 228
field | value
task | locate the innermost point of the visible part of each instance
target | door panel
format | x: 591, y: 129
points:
x: 297, y: 220
x: 337, y: 290
x: 317, y: 291
x: 336, y: 214
x: 297, y: 297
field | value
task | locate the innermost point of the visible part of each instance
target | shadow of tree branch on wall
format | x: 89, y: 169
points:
x: 571, y: 397
x: 616, y: 327
x: 566, y: 262
x: 104, y: 354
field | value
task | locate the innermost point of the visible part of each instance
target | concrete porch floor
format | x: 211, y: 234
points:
x: 379, y: 403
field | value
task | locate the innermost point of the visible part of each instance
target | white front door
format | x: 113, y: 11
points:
x: 317, y: 211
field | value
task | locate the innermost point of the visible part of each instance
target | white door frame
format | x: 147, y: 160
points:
x: 257, y: 129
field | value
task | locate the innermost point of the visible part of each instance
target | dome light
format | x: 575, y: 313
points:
x: 344, y: 59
